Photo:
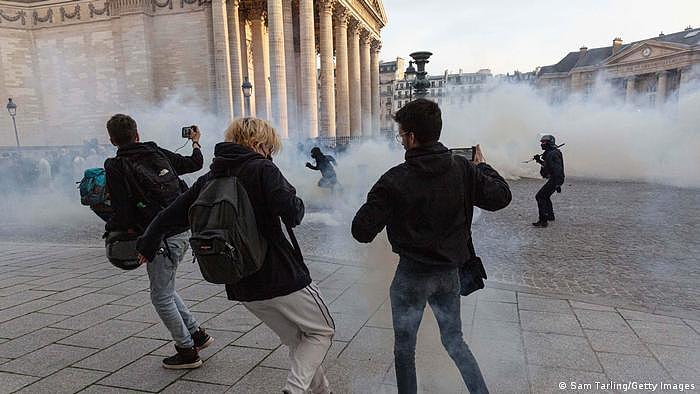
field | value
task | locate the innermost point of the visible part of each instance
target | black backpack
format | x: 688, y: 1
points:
x: 225, y: 238
x: 152, y: 181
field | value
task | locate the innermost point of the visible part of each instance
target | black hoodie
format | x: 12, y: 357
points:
x: 125, y: 216
x: 272, y: 197
x: 427, y: 203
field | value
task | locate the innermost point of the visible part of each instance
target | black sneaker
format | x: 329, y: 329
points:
x: 541, y: 223
x: 185, y: 358
x: 202, y: 339
x: 550, y: 218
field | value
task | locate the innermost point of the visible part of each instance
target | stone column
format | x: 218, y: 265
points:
x: 222, y: 59
x: 278, y: 72
x: 261, y: 61
x: 234, y: 40
x: 291, y: 68
x: 661, y: 84
x: 630, y: 90
x: 309, y: 105
x: 327, y: 124
x: 365, y: 83
x: 247, y: 63
x: 354, y: 78
x: 342, y: 102
x: 374, y: 63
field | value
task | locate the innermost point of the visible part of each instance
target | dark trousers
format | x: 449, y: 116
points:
x: 544, y: 200
x: 409, y: 292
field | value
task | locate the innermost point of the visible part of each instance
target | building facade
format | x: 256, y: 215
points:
x: 649, y: 72
x: 71, y: 64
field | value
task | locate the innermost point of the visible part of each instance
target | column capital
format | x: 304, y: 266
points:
x: 326, y: 5
x: 365, y: 36
x: 341, y: 16
x: 354, y: 25
x: 257, y: 10
x: 234, y: 3
x: 662, y: 73
x: 375, y: 45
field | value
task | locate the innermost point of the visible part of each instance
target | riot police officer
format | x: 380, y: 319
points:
x: 552, y: 163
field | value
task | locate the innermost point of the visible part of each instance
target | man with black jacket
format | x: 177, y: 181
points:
x: 426, y: 203
x: 552, y: 169
x: 143, y: 179
x: 280, y: 293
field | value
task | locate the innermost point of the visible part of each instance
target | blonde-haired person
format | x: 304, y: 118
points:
x: 280, y: 293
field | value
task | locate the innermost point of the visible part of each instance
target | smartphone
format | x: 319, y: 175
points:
x: 466, y: 152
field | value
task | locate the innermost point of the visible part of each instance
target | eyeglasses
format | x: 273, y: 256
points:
x: 399, y: 135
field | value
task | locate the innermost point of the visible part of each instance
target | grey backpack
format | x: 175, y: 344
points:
x: 225, y: 238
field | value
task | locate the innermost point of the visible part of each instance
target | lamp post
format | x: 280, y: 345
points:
x: 12, y: 109
x: 421, y: 84
x: 410, y: 76
x: 247, y: 88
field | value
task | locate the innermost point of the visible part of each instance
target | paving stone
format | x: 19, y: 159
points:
x: 616, y: 342
x: 237, y: 318
x: 120, y: 354
x: 113, y: 280
x: 625, y: 368
x: 559, y: 351
x: 493, y: 330
x: 105, y: 334
x: 501, y: 311
x: 64, y: 285
x: 504, y: 375
x: 31, y: 342
x: 695, y: 324
x: 10, y: 382
x: 542, y: 304
x: 497, y: 350
x: 70, y: 294
x: 155, y: 331
x: 356, y: 376
x: 228, y: 366
x: 25, y: 324
x: 99, y: 389
x: 382, y: 317
x: 271, y: 379
x: 200, y: 291
x: 187, y: 387
x: 213, y: 305
x: 23, y: 309
x: 665, y: 334
x: 20, y: 298
x: 372, y: 344
x: 93, y: 317
x: 347, y: 326
x: 682, y: 363
x: 593, y: 307
x: 69, y: 380
x: 643, y: 316
x: 47, y: 360
x: 558, y: 323
x: 146, y: 374
x: 497, y: 295
x: 546, y: 380
x: 4, y: 292
x: 261, y: 337
x: 81, y: 304
x: 127, y: 288
x: 145, y: 313
x: 600, y: 320
x: 358, y: 300
x: 137, y: 299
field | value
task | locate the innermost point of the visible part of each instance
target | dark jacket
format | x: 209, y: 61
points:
x: 427, y: 203
x: 125, y: 216
x: 553, y: 166
x: 323, y: 164
x: 272, y: 197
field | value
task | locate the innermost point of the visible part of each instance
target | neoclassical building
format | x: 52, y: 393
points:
x: 649, y: 72
x: 313, y: 64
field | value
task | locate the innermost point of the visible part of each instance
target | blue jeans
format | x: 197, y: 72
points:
x: 169, y: 306
x: 409, y: 292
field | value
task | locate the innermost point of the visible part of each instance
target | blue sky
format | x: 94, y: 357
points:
x: 505, y: 35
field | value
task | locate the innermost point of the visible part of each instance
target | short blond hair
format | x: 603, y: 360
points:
x: 250, y: 132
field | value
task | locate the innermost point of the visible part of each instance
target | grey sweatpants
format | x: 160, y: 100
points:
x: 304, y: 324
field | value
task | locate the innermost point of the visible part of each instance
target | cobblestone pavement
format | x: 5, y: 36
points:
x: 70, y: 322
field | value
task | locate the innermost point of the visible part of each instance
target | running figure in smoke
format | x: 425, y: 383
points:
x: 552, y: 163
x: 323, y: 164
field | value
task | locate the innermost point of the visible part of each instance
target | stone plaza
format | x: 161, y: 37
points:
x: 607, y: 294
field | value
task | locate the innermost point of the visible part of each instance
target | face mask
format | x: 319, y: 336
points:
x: 544, y: 146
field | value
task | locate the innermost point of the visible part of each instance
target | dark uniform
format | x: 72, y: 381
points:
x: 324, y: 163
x: 552, y: 169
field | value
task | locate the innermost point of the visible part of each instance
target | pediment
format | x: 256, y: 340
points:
x: 645, y: 50
x: 378, y: 7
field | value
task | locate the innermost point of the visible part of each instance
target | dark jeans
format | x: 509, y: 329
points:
x: 544, y: 201
x: 409, y: 293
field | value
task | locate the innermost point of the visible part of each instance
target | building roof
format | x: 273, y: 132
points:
x: 595, y: 56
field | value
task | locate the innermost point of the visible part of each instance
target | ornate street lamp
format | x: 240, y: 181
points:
x: 247, y: 88
x: 421, y: 84
x: 410, y: 76
x: 12, y: 109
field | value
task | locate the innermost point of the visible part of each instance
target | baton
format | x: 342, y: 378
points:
x: 557, y: 146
